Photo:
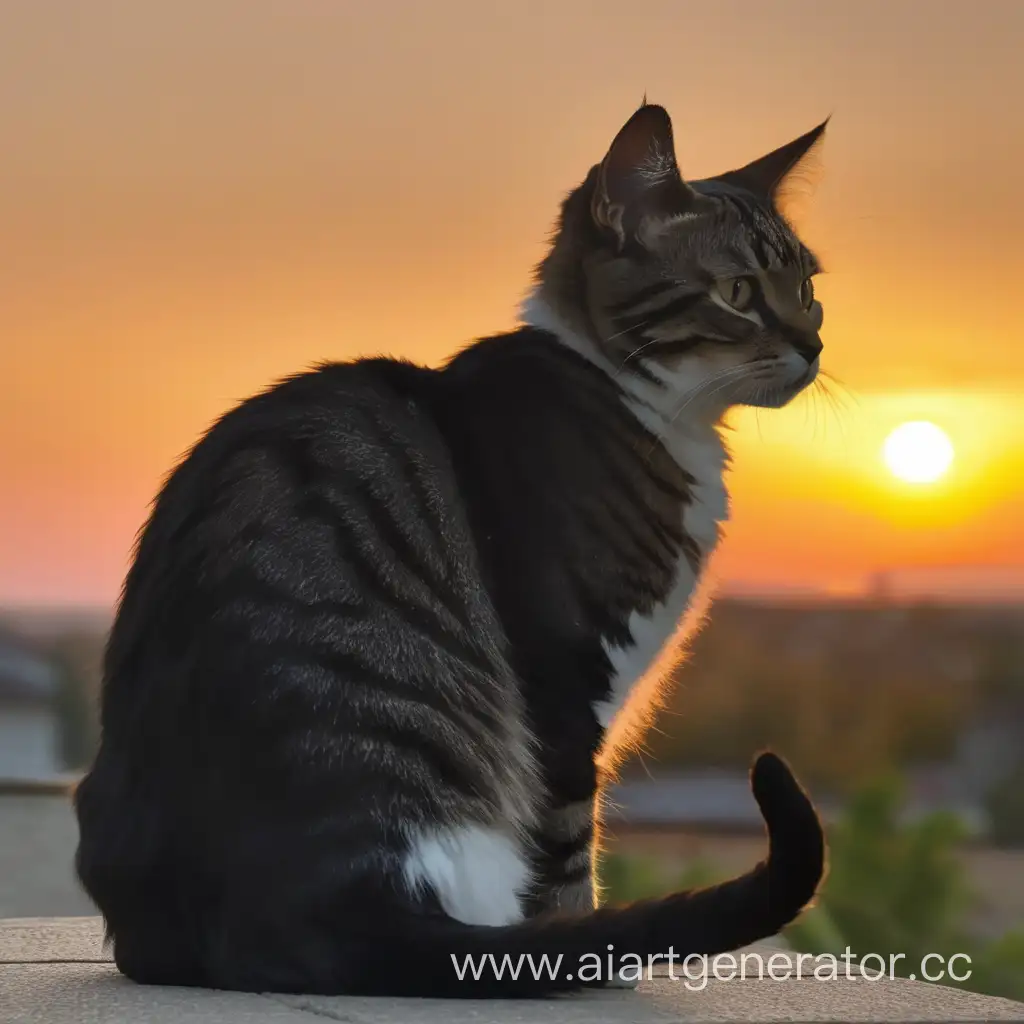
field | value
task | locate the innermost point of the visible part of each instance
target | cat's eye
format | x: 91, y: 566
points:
x: 807, y: 293
x: 737, y: 291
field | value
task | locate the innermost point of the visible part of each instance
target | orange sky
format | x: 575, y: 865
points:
x: 198, y: 197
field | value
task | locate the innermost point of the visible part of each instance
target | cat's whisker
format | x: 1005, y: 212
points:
x: 726, y: 379
x: 723, y: 378
x: 632, y: 355
x: 629, y: 330
x: 830, y: 378
x: 833, y: 404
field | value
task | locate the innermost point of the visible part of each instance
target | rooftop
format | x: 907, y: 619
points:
x: 55, y: 970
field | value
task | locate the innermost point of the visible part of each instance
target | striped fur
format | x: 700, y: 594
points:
x: 377, y: 639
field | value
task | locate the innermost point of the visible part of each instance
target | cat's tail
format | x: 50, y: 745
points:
x: 441, y: 957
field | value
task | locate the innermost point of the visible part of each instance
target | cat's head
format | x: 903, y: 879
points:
x: 701, y: 286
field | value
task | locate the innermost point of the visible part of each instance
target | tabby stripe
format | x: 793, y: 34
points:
x: 650, y: 318
x: 671, y: 535
x: 573, y: 867
x: 632, y: 438
x: 627, y: 491
x: 680, y: 305
x: 405, y: 755
x: 608, y: 623
x: 740, y: 257
x: 631, y: 562
x: 763, y: 247
x: 449, y: 756
x: 380, y: 517
x: 460, y: 707
x: 599, y: 402
x: 640, y: 370
x: 641, y: 295
x: 764, y: 252
x: 590, y: 384
x: 676, y: 347
x: 665, y: 560
x: 456, y: 760
x: 347, y: 667
x: 693, y: 553
x: 242, y: 583
x: 565, y: 874
x: 761, y: 307
x: 377, y: 516
x: 370, y: 581
x: 738, y: 207
x: 411, y: 474
x: 563, y: 849
x: 618, y: 541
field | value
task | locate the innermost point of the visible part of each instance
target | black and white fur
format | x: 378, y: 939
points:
x: 383, y: 622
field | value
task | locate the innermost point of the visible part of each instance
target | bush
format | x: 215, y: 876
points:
x: 1005, y: 806
x: 893, y: 887
x: 76, y: 661
x: 900, y: 888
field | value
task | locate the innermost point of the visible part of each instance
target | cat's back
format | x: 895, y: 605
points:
x: 352, y: 407
x: 293, y: 504
x: 336, y: 424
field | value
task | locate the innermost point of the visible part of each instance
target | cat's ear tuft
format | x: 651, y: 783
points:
x: 768, y: 175
x: 639, y: 177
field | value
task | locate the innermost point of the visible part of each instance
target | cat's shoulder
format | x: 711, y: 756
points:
x: 330, y: 396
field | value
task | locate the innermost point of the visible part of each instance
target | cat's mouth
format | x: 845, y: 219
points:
x: 809, y: 375
x: 780, y: 392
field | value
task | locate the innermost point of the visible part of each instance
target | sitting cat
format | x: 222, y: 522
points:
x: 381, y: 626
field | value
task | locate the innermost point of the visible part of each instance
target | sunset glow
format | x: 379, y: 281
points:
x: 918, y: 452
x: 199, y: 198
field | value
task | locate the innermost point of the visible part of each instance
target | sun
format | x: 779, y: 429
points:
x: 918, y: 452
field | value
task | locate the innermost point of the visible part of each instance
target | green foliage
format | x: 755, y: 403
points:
x: 76, y: 660
x: 900, y: 888
x: 998, y: 967
x: 1005, y: 807
x: 625, y: 879
x: 893, y: 887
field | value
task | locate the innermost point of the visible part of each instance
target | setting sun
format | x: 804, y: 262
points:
x: 918, y: 452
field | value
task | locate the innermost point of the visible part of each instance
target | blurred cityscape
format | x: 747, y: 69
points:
x: 884, y: 690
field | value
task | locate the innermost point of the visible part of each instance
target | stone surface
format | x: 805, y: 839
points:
x: 37, y: 940
x: 74, y: 993
x: 56, y: 971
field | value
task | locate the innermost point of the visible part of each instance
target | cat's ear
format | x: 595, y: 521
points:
x: 766, y: 176
x: 639, y: 177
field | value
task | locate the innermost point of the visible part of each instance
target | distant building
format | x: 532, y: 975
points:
x: 29, y: 729
x: 710, y: 800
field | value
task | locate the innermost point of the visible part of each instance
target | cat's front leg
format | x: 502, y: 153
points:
x: 567, y: 840
x: 564, y: 843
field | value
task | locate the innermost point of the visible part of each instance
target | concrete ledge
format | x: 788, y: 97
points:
x: 55, y: 970
x: 63, y: 785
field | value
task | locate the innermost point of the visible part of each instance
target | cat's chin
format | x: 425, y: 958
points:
x: 776, y: 396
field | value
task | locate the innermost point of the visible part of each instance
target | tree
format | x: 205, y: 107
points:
x: 900, y: 888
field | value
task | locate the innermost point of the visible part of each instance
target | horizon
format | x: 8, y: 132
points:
x: 192, y: 212
x: 1007, y: 593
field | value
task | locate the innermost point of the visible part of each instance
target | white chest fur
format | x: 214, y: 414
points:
x: 691, y: 437
x: 701, y: 453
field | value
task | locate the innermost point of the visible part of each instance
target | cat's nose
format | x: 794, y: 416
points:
x: 809, y: 346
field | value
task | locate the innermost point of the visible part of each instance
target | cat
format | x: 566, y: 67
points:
x: 382, y: 624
